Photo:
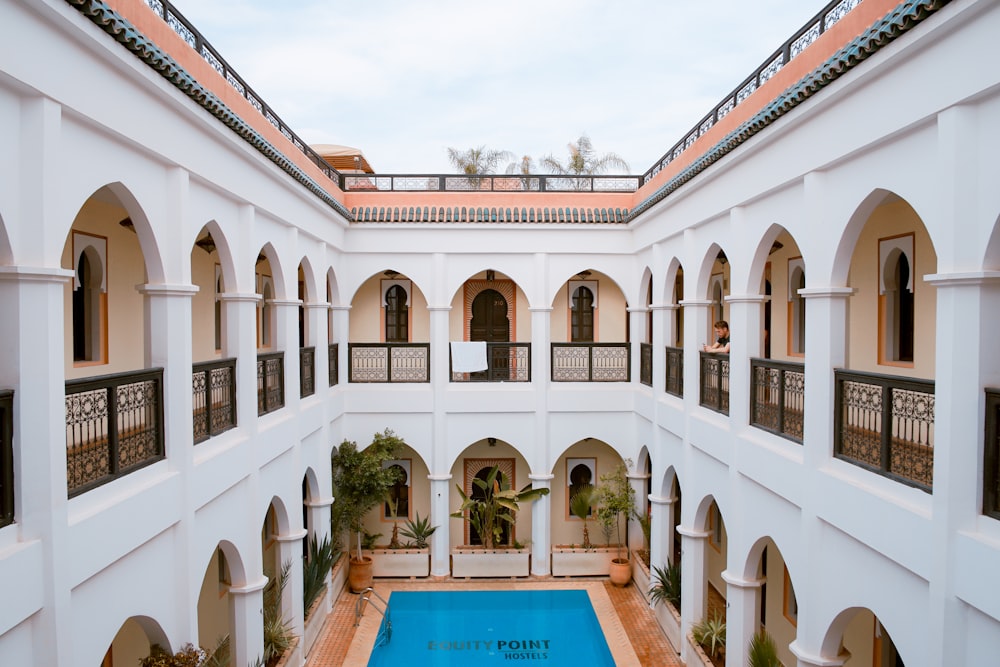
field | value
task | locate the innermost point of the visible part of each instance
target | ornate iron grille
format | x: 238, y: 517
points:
x: 886, y: 424
x: 675, y: 371
x: 715, y: 381
x: 6, y: 457
x: 332, y: 357
x: 777, y: 398
x: 114, y: 425
x: 213, y: 388
x: 270, y: 382
x: 307, y: 377
x: 488, y: 183
x: 590, y: 362
x: 646, y: 364
x: 991, y: 455
x: 389, y: 362
x: 506, y: 362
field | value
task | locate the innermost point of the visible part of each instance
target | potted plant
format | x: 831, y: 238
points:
x: 487, y: 511
x: 616, y: 498
x: 587, y: 559
x: 360, y: 482
x: 410, y: 559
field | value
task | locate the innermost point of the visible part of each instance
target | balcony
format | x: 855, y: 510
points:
x: 114, y: 425
x: 646, y: 364
x: 213, y: 388
x: 675, y: 371
x: 886, y: 424
x: 506, y: 362
x: 270, y: 382
x: 332, y: 363
x: 714, y: 393
x: 590, y: 362
x: 389, y: 362
x: 307, y: 371
x: 777, y: 397
x: 6, y: 457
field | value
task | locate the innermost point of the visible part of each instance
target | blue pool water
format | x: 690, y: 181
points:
x: 551, y: 628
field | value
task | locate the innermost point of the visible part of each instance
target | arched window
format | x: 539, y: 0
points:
x: 218, y: 308
x: 896, y: 303
x: 396, y: 315
x: 796, y: 311
x: 582, y: 316
x: 265, y: 312
x: 88, y: 308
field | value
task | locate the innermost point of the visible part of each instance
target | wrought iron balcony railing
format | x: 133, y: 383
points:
x: 114, y: 425
x: 646, y: 364
x: 715, y: 381
x: 270, y: 382
x: 675, y: 371
x: 389, y: 362
x: 6, y: 457
x: 486, y: 183
x: 307, y: 371
x: 777, y: 397
x: 213, y: 388
x: 991, y: 456
x: 333, y: 363
x: 590, y: 362
x: 506, y: 362
x: 886, y: 424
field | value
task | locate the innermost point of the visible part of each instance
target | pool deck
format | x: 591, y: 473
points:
x: 634, y: 637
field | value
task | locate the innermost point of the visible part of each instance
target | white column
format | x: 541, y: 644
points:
x: 637, y: 334
x: 661, y: 535
x: 634, y: 534
x: 246, y: 622
x: 695, y: 328
x: 441, y: 539
x: 694, y: 585
x: 341, y: 316
x: 316, y: 338
x: 286, y: 320
x: 805, y: 658
x: 663, y: 335
x: 746, y: 314
x: 541, y: 526
x: 239, y: 340
x: 742, y: 615
x: 292, y: 611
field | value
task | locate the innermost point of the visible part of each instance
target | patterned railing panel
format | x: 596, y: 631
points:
x: 675, y: 371
x: 114, y: 425
x: 886, y: 424
x: 389, y: 362
x: 646, y: 364
x: 6, y: 457
x: 333, y: 363
x: 590, y: 362
x: 487, y: 183
x: 715, y: 381
x: 991, y: 455
x: 506, y: 362
x: 777, y: 397
x: 307, y: 371
x: 270, y: 382
x: 213, y: 388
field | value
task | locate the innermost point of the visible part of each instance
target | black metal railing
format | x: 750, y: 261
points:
x: 803, y: 37
x: 991, y: 455
x: 885, y: 423
x: 591, y: 362
x: 506, y: 362
x: 6, y: 457
x: 114, y: 425
x: 270, y: 382
x: 307, y: 371
x: 777, y: 397
x: 714, y: 393
x: 333, y: 363
x: 213, y: 388
x: 675, y: 371
x: 487, y: 183
x: 646, y: 364
x: 389, y: 362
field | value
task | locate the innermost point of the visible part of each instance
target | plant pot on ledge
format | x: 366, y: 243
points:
x: 359, y: 575
x: 621, y: 571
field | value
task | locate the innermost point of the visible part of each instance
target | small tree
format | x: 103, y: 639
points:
x: 579, y: 505
x: 584, y: 160
x: 615, y: 498
x: 360, y: 481
x: 498, y: 504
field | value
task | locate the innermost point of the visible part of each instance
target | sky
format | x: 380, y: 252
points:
x: 404, y: 81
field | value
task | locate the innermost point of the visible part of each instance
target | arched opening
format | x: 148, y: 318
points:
x: 490, y: 321
x: 897, y: 309
x: 89, y: 307
x: 396, y: 315
x: 582, y: 316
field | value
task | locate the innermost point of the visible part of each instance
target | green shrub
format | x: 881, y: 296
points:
x: 666, y: 585
x: 710, y: 633
x: 763, y: 651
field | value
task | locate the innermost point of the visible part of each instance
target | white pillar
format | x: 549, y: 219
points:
x: 637, y: 334
x: 341, y: 316
x: 661, y: 535
x: 663, y: 335
x: 541, y: 528
x: 316, y: 338
x: 292, y: 611
x: 286, y: 319
x: 246, y: 622
x: 239, y: 341
x: 746, y: 327
x: 694, y: 584
x: 634, y: 535
x: 441, y: 539
x: 695, y: 327
x: 742, y: 616
x: 804, y: 658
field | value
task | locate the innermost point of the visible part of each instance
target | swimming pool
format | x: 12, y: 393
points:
x: 546, y: 627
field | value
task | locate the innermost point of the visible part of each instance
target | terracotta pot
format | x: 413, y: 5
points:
x: 621, y: 571
x: 359, y: 575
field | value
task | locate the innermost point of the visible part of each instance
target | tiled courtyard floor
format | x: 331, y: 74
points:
x: 630, y: 628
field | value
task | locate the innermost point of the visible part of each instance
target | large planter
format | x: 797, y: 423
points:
x: 621, y: 571
x: 670, y: 621
x: 360, y: 574
x: 478, y: 562
x: 579, y: 562
x: 400, y: 562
